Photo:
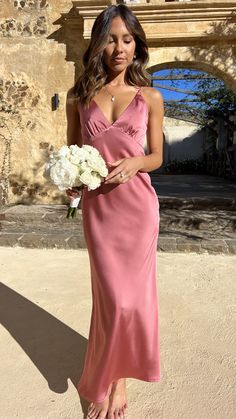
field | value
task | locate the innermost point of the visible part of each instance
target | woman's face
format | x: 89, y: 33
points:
x: 119, y: 52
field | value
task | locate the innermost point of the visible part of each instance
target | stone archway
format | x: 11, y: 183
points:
x: 187, y: 135
x: 179, y: 61
x: 197, y: 34
x: 224, y: 161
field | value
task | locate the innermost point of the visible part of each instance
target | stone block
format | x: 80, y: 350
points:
x: 57, y: 241
x: 188, y: 245
x: 77, y: 242
x: 231, y: 243
x: 9, y: 239
x: 215, y: 246
x: 30, y: 240
x: 166, y: 244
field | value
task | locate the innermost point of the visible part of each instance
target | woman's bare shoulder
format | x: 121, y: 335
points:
x: 152, y: 93
x: 71, y: 97
x: 70, y: 93
x: 72, y: 101
x: 152, y: 96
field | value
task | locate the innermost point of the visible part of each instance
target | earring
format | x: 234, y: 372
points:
x: 134, y: 56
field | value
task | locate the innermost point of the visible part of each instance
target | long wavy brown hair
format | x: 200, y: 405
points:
x: 95, y: 74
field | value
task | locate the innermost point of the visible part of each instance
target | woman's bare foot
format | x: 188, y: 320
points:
x: 118, y: 400
x: 99, y: 410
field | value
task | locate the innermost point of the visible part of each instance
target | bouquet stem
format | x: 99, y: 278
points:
x: 74, y: 203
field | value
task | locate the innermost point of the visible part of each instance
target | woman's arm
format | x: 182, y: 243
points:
x: 154, y: 131
x: 74, y: 135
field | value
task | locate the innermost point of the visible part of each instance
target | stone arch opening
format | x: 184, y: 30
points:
x: 212, y: 145
x: 194, y: 65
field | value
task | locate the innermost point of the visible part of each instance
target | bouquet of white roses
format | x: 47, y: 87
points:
x: 73, y: 166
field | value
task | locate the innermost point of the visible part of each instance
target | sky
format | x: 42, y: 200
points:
x: 182, y: 84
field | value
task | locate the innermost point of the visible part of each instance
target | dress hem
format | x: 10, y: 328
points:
x: 150, y: 380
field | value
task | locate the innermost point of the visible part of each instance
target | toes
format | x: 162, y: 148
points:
x: 103, y: 415
x: 90, y: 408
x: 122, y: 413
x: 93, y: 414
x: 117, y: 416
x: 91, y: 411
x: 118, y: 413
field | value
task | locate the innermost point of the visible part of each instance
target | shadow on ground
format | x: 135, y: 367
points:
x: 55, y: 349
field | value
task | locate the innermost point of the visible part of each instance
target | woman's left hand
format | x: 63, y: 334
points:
x: 128, y: 166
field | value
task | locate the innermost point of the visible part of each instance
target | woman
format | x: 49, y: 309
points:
x: 112, y: 107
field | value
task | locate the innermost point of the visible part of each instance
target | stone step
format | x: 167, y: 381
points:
x: 24, y: 218
x: 180, y: 229
x: 50, y: 213
x: 36, y: 213
x: 198, y: 203
x: 218, y: 223
x: 166, y: 243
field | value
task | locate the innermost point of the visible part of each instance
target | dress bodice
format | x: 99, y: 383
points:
x: 132, y: 121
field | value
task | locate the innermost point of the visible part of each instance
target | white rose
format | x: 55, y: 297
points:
x: 63, y: 174
x: 64, y: 151
x: 85, y: 177
x: 95, y: 181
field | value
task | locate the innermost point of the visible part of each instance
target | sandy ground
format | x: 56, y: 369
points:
x: 45, y: 311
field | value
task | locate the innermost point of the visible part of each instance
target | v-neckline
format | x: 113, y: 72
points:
x: 122, y: 113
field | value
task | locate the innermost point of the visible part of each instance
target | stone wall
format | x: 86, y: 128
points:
x: 33, y: 68
x: 183, y: 140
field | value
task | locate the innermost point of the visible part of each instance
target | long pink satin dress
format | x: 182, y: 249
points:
x: 121, y: 227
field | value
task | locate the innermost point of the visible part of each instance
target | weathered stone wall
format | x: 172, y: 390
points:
x: 33, y: 68
x: 183, y: 140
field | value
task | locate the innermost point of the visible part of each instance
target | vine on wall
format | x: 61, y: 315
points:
x: 9, y: 118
